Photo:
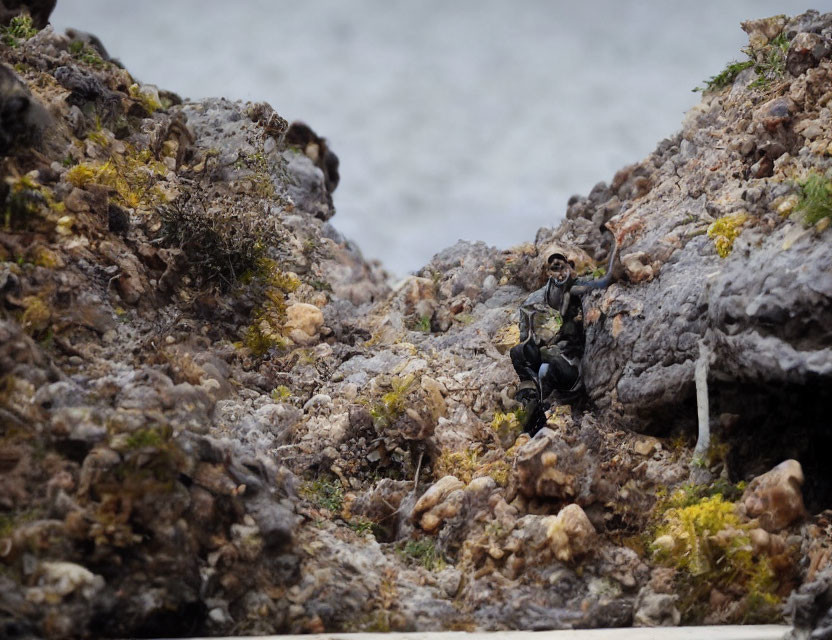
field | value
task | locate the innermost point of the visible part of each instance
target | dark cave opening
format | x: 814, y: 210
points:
x: 763, y: 424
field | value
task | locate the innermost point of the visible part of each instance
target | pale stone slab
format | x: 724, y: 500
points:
x: 725, y: 632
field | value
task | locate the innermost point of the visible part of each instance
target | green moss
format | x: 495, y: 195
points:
x: 768, y: 61
x: 461, y: 464
x: 691, y: 528
x: 393, y: 403
x: 815, y: 198
x: 771, y: 62
x: 361, y: 526
x: 467, y: 465
x: 20, y: 28
x: 85, y: 53
x: 325, y: 493
x: 147, y: 438
x: 726, y: 77
x: 423, y: 324
x: 423, y: 552
x: 725, y: 230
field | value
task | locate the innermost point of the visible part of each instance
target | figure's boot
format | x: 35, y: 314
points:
x: 529, y: 396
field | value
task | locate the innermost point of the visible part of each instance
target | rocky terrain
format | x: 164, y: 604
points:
x: 216, y: 417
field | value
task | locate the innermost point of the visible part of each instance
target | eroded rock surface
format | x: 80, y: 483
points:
x: 216, y: 417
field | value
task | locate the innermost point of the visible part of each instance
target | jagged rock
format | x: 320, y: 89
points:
x: 655, y: 609
x: 547, y: 467
x: 208, y: 391
x: 570, y: 533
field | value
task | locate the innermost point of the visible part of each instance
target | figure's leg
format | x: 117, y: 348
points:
x: 558, y: 373
x: 526, y: 360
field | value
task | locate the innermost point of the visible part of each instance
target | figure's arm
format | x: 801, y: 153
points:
x: 583, y: 286
x: 527, y: 311
x: 526, y: 320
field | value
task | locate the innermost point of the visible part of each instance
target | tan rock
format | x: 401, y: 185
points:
x: 774, y: 498
x: 303, y: 322
x: 760, y: 540
x: 570, y: 533
x: 437, y: 492
x: 435, y: 398
x: 645, y: 447
x: 637, y: 266
x: 548, y: 467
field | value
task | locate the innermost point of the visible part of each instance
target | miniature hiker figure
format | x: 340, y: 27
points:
x: 548, y: 358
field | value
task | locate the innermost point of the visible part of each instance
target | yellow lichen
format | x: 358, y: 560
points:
x: 45, y: 257
x: 509, y: 425
x: 725, y: 230
x: 462, y: 464
x: 36, y: 315
x: 131, y: 175
x: 507, y: 337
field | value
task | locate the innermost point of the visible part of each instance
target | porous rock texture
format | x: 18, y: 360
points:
x: 216, y: 417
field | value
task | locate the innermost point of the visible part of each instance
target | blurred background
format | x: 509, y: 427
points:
x: 473, y: 119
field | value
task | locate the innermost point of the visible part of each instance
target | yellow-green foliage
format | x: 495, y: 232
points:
x: 815, y: 198
x: 393, y: 403
x: 499, y: 471
x: 266, y: 329
x: 769, y: 61
x: 260, y: 177
x: 36, y: 315
x: 45, y: 257
x: 706, y: 541
x: 132, y: 175
x: 146, y: 96
x: 147, y: 438
x: 326, y: 494
x: 726, y: 77
x: 20, y: 28
x: 725, y: 230
x: 281, y: 393
x: 26, y: 201
x: 467, y: 465
x: 509, y: 425
x: 462, y: 464
x: 691, y: 528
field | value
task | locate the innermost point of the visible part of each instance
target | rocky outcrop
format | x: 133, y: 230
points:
x: 216, y: 417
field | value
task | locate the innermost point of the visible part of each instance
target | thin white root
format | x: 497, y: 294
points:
x: 418, y: 470
x: 700, y: 378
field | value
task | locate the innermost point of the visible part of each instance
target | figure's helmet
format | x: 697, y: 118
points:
x: 557, y: 262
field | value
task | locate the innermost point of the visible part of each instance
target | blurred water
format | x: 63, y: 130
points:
x: 472, y: 119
